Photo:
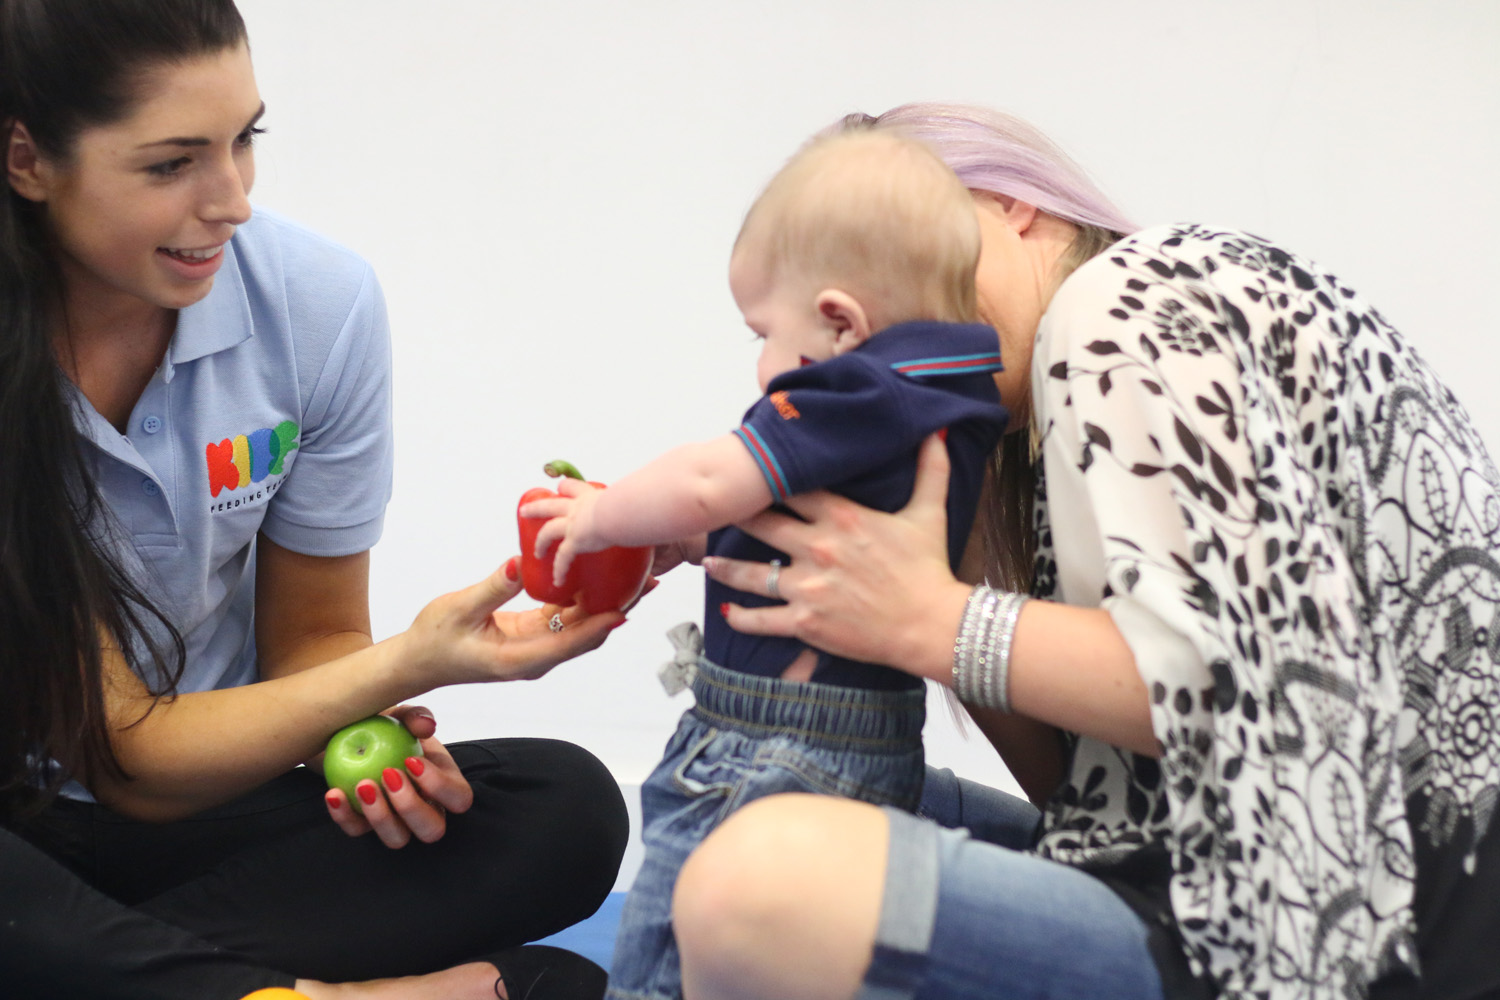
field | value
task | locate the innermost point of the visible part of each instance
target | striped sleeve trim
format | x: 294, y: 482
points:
x: 766, y: 459
x: 957, y: 364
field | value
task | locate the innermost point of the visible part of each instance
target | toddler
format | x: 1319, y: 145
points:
x: 855, y: 268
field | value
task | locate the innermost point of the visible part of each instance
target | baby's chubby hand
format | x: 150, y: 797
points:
x: 570, y: 524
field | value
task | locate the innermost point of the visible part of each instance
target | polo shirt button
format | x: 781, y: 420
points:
x: 149, y: 487
x: 151, y: 424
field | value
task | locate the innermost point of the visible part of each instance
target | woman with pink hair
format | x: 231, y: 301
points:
x: 1235, y: 633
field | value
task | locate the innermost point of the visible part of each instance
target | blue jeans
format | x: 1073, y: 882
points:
x: 967, y: 914
x: 748, y: 737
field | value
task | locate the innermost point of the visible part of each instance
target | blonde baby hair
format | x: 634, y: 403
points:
x: 877, y: 215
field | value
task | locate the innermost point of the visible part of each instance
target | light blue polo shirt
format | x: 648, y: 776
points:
x: 271, y: 412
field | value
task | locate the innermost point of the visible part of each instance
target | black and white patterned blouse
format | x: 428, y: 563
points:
x: 1297, y: 530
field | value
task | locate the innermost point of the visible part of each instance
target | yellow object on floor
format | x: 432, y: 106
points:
x: 275, y: 993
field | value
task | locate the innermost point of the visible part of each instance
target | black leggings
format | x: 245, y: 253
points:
x: 265, y: 889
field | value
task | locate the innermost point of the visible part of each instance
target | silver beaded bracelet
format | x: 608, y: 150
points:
x: 981, y: 653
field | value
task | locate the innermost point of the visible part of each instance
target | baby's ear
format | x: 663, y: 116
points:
x: 844, y: 317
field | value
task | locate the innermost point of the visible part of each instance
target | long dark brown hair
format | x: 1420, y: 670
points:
x: 65, y: 66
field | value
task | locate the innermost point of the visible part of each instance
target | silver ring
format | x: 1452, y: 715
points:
x: 773, y: 580
x: 555, y: 623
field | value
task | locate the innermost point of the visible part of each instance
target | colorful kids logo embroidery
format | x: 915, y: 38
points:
x: 236, y: 462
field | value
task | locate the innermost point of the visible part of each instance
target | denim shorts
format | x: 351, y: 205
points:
x: 748, y: 737
x: 969, y: 919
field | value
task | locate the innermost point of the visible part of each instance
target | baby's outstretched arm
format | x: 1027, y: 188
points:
x: 684, y: 493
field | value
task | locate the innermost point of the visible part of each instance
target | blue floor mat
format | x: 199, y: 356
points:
x: 594, y: 938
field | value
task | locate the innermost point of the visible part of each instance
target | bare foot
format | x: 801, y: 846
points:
x: 472, y: 981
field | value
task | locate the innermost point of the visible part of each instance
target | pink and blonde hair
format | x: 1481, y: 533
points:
x: 1000, y: 153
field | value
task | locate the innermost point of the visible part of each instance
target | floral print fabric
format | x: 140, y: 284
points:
x: 1297, y: 529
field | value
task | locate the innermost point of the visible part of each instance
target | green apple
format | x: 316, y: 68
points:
x: 364, y: 750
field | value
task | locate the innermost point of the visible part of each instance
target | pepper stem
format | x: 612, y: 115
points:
x: 559, y: 469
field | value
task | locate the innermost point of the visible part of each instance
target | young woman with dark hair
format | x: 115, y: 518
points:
x: 194, y: 464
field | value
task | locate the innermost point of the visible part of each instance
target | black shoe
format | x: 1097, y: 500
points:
x: 542, y: 972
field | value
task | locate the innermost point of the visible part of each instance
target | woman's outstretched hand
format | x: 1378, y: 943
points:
x: 463, y: 637
x: 862, y: 584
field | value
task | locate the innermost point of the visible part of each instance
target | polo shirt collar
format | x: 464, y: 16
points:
x: 920, y: 340
x: 219, y: 321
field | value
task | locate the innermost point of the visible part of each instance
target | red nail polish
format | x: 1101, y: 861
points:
x: 724, y: 610
x: 415, y: 766
x: 617, y: 624
x: 367, y: 793
x: 512, y: 568
x: 943, y: 434
x: 392, y: 778
x: 334, y: 799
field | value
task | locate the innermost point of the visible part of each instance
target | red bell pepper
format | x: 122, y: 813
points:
x: 600, y: 581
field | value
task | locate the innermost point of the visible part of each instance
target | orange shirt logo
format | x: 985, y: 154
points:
x: 784, y: 406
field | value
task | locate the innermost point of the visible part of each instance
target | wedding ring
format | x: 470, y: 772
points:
x: 556, y: 623
x: 773, y: 579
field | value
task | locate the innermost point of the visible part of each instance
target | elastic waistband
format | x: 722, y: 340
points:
x: 871, y: 721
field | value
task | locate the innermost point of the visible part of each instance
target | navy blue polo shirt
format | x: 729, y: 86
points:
x: 853, y: 425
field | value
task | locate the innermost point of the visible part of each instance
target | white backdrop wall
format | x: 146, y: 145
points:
x: 548, y: 192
